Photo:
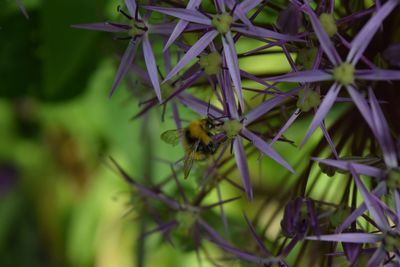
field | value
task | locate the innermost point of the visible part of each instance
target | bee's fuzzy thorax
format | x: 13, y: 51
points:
x: 197, y: 131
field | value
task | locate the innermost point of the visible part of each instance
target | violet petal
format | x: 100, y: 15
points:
x: 151, y: 66
x: 265, y: 33
x: 199, y: 106
x: 378, y: 75
x: 126, y: 61
x: 364, y: 37
x: 378, y: 191
x: 302, y: 76
x: 323, y: 37
x: 382, y: 132
x: 132, y: 7
x: 266, y: 148
x: 348, y: 238
x: 371, y: 204
x: 194, y: 51
x: 264, y: 107
x: 323, y: 110
x: 102, y: 26
x: 377, y: 257
x: 241, y: 162
x: 259, y: 241
x: 289, y: 122
x: 181, y: 13
x: 181, y: 25
x: 233, y: 65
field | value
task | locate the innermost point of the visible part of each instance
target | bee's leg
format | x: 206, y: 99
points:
x: 211, y: 148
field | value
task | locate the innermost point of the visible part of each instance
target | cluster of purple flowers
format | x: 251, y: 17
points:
x: 346, y: 55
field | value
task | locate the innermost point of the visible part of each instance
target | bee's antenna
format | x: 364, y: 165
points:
x: 231, y: 147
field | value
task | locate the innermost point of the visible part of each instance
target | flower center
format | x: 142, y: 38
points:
x: 211, y: 63
x: 328, y: 23
x: 308, y: 99
x: 232, y: 128
x: 166, y: 90
x: 222, y: 22
x: 344, y: 73
x: 137, y: 29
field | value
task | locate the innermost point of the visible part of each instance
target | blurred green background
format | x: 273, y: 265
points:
x: 61, y: 204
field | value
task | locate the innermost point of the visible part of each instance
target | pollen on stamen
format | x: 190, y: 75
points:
x: 344, y: 73
x: 211, y: 63
x: 137, y: 29
x: 222, y: 22
x: 232, y: 128
x: 166, y: 90
x: 307, y: 100
x: 328, y: 23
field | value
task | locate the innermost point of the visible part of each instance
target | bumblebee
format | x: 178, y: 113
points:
x: 197, y: 141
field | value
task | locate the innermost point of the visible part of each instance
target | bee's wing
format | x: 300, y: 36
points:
x: 172, y: 136
x: 189, y: 158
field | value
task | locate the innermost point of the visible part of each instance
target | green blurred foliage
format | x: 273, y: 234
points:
x: 43, y: 56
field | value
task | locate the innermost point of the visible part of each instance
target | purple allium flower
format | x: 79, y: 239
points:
x: 137, y: 31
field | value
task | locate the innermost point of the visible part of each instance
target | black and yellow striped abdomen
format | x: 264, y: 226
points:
x: 198, y: 140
